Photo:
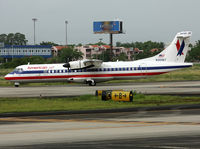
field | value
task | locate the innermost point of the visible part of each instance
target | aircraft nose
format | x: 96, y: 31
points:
x: 6, y: 77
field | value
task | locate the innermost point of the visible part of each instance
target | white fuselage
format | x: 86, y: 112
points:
x: 107, y: 71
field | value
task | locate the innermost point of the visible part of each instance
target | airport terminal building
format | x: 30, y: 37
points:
x: 18, y: 51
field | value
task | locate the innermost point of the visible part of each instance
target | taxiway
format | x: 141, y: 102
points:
x: 169, y: 88
x: 152, y: 129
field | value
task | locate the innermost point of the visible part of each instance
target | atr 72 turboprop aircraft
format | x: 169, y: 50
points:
x: 91, y: 71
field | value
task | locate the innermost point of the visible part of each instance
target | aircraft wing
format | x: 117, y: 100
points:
x: 92, y: 62
x: 82, y: 64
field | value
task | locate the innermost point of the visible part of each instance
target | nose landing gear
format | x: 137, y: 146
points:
x: 16, y: 84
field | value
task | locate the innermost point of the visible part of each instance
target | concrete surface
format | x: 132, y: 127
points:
x: 172, y: 88
x: 145, y: 129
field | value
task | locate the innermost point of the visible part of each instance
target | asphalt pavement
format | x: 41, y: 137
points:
x: 167, y: 88
x: 175, y: 128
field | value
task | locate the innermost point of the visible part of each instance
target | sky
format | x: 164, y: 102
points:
x: 143, y: 20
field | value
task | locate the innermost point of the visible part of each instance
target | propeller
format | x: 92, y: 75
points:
x: 67, y: 64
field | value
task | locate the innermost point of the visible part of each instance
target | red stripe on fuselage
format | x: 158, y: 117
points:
x: 82, y: 76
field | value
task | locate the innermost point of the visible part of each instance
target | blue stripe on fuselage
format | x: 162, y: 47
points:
x: 166, y: 67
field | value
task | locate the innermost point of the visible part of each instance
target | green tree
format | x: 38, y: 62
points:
x: 36, y: 60
x: 53, y: 60
x: 194, y: 54
x: 48, y: 43
x: 13, y: 39
x: 10, y: 39
x: 69, y: 54
x: 145, y: 46
x: 22, y: 61
x: 1, y: 60
x: 80, y: 44
x: 20, y: 39
x: 121, y: 57
x: 98, y: 43
x: 118, y: 44
x: 104, y: 56
x: 3, y: 38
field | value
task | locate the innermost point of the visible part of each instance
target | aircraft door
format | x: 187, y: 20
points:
x: 143, y: 69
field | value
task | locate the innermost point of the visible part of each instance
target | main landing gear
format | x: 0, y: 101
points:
x: 92, y: 83
x: 16, y: 84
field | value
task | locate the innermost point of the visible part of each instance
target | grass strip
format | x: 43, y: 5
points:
x: 4, y: 72
x: 88, y: 102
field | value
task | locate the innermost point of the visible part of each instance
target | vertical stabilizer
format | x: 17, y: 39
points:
x: 177, y: 50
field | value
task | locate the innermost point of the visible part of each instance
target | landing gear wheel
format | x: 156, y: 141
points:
x: 92, y: 83
x: 16, y: 84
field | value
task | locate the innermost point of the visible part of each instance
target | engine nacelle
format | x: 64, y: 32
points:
x: 81, y: 64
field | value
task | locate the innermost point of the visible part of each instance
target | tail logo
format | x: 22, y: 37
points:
x: 180, y: 47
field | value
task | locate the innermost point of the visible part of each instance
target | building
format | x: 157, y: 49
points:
x: 154, y: 50
x: 56, y: 49
x: 18, y: 51
x: 90, y: 50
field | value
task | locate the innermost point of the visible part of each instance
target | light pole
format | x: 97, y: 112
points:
x: 66, y: 22
x: 34, y: 20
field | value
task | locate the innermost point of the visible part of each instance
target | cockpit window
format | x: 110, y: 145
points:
x: 18, y: 70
